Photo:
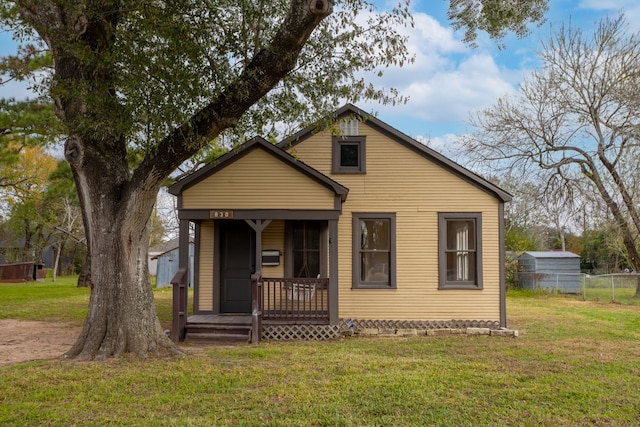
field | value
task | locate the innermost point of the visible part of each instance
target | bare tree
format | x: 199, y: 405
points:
x: 578, y: 117
x: 559, y: 204
x: 68, y: 229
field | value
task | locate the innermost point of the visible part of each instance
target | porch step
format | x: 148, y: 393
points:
x: 200, y: 332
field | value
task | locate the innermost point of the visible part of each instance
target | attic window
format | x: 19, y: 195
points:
x: 349, y: 127
x: 348, y: 155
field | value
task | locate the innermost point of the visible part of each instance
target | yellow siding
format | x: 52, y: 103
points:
x: 273, y: 238
x: 401, y: 181
x: 205, y: 283
x: 258, y: 181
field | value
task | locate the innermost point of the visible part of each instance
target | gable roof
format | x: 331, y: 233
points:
x: 407, y: 141
x: 244, y: 149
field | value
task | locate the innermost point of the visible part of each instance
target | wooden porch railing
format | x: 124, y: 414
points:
x: 294, y: 299
x: 180, y: 302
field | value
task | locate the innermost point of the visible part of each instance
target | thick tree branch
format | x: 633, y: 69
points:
x: 270, y: 65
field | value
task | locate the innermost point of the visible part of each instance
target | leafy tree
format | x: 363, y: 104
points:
x: 27, y: 222
x: 27, y: 213
x: 496, y: 17
x: 601, y: 252
x: 519, y: 239
x: 25, y: 127
x: 160, y: 80
x: 29, y: 174
x: 23, y: 124
x: 578, y: 120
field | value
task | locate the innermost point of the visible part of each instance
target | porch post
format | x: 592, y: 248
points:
x: 334, y: 315
x: 183, y: 244
x: 258, y: 226
x: 259, y: 229
x: 256, y: 279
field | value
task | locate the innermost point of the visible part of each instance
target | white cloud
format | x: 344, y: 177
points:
x: 447, y: 81
x: 430, y: 36
x: 449, y: 95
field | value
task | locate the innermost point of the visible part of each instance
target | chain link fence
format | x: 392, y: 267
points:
x: 566, y: 283
x: 607, y: 287
x: 610, y: 287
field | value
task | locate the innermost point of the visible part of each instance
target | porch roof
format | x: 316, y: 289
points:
x: 238, y: 153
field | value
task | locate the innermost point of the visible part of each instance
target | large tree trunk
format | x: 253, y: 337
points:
x: 122, y: 315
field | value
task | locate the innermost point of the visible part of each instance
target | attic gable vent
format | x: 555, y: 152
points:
x: 349, y: 127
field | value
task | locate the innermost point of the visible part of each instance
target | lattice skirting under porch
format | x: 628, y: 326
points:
x: 300, y: 332
x: 420, y: 325
x: 327, y: 332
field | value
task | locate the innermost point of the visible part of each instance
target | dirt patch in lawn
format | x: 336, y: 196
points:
x: 23, y: 341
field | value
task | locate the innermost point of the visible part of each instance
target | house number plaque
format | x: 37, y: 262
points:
x: 221, y: 214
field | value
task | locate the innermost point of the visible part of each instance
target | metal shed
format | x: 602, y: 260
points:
x: 167, y: 266
x: 550, y: 270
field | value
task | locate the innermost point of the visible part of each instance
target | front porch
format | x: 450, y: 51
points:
x: 260, y: 212
x: 282, y: 308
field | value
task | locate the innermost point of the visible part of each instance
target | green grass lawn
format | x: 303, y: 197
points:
x: 575, y: 363
x: 61, y: 300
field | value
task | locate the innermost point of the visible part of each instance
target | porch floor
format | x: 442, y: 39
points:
x: 245, y: 319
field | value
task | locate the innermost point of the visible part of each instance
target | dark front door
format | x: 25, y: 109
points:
x: 237, y: 259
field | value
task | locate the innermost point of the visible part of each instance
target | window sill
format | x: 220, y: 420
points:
x: 373, y: 286
x: 348, y: 172
x: 468, y: 286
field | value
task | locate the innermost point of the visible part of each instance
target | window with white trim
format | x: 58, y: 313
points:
x: 460, y: 250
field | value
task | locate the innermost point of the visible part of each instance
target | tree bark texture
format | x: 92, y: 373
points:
x: 116, y: 201
x: 122, y: 316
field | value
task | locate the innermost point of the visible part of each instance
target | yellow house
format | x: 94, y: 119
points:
x: 358, y: 227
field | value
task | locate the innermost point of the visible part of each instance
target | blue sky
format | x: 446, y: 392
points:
x: 449, y: 80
